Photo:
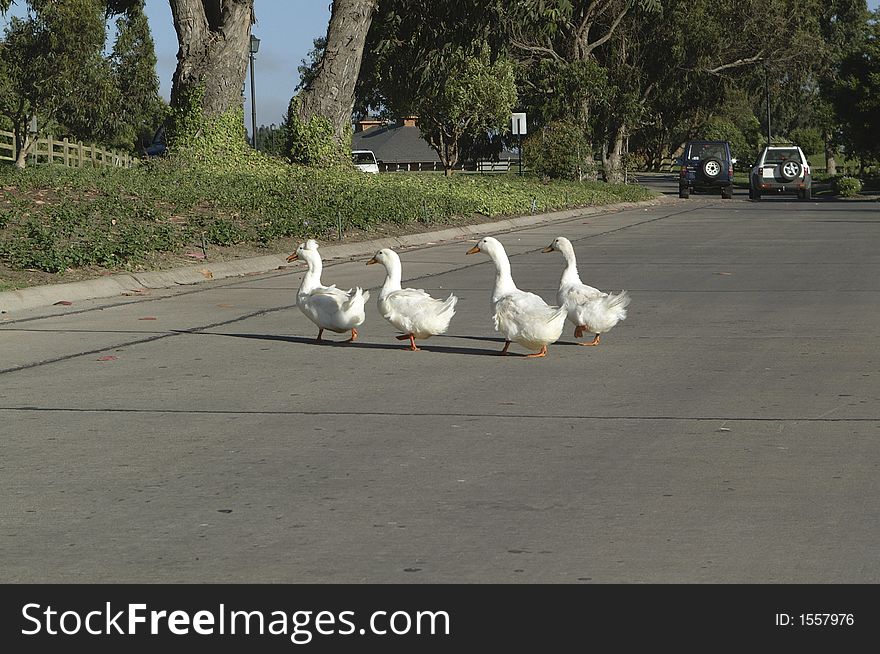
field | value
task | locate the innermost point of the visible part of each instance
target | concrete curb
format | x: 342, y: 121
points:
x: 129, y: 283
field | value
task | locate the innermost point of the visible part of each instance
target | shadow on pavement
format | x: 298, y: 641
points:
x: 357, y: 344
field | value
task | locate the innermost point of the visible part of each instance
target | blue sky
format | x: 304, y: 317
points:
x: 286, y: 29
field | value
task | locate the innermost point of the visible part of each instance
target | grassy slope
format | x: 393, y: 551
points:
x: 61, y: 223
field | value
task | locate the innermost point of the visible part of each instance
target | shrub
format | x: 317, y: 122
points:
x: 846, y: 187
x: 559, y: 151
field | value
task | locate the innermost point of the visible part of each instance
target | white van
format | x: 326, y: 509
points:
x: 365, y: 160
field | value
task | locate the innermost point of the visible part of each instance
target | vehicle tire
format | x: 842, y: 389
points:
x: 683, y: 192
x: 726, y: 192
x: 711, y: 168
x: 789, y: 170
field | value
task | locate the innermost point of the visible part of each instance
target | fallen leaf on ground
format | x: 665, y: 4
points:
x: 723, y: 273
x: 207, y: 273
x: 148, y: 318
x: 136, y: 291
x: 63, y: 303
x: 225, y: 306
x: 109, y: 357
x: 196, y: 255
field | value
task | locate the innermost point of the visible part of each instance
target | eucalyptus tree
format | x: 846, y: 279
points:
x: 207, y: 105
x: 318, y: 122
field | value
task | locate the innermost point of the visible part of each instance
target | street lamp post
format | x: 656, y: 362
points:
x: 767, y: 88
x: 255, y: 45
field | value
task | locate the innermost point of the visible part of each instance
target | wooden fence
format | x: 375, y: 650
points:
x: 65, y: 152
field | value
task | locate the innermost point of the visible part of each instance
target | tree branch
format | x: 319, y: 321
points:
x: 744, y: 61
x: 595, y: 44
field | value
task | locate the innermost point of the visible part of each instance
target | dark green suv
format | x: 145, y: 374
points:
x: 706, y: 165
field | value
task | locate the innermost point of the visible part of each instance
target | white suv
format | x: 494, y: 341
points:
x: 781, y: 169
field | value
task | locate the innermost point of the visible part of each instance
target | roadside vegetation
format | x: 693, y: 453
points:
x: 54, y: 219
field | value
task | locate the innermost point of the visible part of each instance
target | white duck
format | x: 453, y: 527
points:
x: 520, y: 316
x: 589, y: 309
x: 327, y: 306
x: 411, y: 310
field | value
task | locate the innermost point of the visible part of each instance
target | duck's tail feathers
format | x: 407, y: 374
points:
x: 448, y: 305
x: 356, y: 296
x: 556, y: 313
x: 618, y: 303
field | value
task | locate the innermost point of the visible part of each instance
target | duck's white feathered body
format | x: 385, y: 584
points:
x: 332, y: 309
x: 327, y: 306
x: 521, y: 317
x: 525, y: 318
x: 598, y: 313
x: 588, y: 308
x: 412, y: 311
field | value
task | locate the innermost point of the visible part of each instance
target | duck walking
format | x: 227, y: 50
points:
x: 413, y: 311
x: 522, y: 317
x: 589, y: 309
x: 327, y: 306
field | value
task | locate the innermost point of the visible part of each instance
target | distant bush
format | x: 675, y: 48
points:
x: 559, y: 151
x: 846, y: 187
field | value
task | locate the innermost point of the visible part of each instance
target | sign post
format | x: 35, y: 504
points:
x: 518, y: 128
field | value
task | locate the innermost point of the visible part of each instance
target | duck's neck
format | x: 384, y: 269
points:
x: 392, y: 279
x: 504, y: 284
x: 570, y: 274
x: 312, y: 278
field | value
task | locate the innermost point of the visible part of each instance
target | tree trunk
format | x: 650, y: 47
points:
x: 446, y: 147
x: 206, y: 96
x: 23, y: 145
x: 830, y: 161
x: 331, y: 93
x: 612, y: 159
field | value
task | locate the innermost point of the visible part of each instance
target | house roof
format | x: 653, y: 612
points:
x: 394, y: 144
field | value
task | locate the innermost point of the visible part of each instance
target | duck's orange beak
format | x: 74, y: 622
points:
x: 474, y: 250
x: 372, y: 261
x: 292, y: 258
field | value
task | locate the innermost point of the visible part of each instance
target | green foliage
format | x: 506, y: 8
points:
x: 846, y: 187
x: 308, y: 70
x: 475, y: 96
x: 195, y: 137
x: 720, y: 129
x: 140, y: 109
x: 56, y: 218
x: 312, y: 143
x: 809, y: 139
x: 559, y: 151
x: 52, y: 64
x: 856, y: 94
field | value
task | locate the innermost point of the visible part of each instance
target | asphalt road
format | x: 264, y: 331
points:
x: 727, y: 431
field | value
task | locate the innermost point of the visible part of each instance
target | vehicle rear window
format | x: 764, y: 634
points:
x: 778, y: 156
x: 701, y: 151
x: 363, y: 158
